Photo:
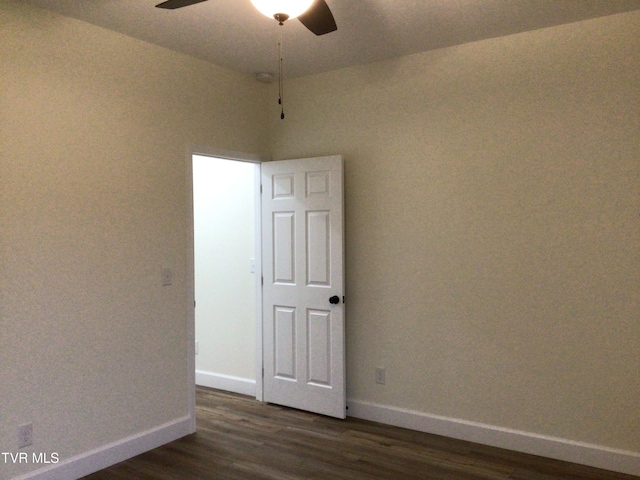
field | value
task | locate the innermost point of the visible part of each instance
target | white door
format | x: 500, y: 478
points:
x: 303, y: 268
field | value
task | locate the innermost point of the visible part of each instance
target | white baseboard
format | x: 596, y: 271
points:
x: 244, y: 386
x: 551, y: 447
x: 116, y: 452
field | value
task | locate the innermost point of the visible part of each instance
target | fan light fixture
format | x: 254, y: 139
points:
x: 313, y: 14
x: 282, y: 10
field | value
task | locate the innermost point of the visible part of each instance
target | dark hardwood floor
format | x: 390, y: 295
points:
x: 239, y: 438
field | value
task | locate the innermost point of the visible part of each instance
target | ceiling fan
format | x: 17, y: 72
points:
x: 313, y: 14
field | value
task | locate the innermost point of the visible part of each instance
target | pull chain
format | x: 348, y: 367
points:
x: 280, y: 76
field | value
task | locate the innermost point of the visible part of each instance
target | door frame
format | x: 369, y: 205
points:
x: 190, y: 267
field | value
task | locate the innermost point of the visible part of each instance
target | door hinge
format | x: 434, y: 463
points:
x: 194, y: 304
x: 262, y: 281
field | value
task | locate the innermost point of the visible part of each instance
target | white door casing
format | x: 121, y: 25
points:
x: 303, y: 268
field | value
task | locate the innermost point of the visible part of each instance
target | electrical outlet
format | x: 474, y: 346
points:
x: 167, y: 277
x: 25, y: 435
x: 381, y: 376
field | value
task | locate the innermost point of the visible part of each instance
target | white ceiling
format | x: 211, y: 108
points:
x: 231, y: 33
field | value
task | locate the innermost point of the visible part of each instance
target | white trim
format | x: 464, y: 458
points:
x: 190, y: 298
x: 99, y: 458
x: 598, y: 456
x: 228, y: 154
x: 258, y: 278
x: 244, y: 386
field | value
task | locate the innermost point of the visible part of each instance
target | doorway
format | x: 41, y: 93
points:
x: 300, y: 326
x: 226, y: 272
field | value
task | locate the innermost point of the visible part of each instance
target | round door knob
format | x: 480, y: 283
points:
x: 334, y: 300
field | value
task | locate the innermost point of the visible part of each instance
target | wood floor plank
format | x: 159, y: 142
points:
x: 239, y: 438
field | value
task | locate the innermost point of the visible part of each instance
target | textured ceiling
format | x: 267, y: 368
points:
x: 231, y: 33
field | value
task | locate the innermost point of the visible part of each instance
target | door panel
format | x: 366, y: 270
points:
x: 318, y: 248
x: 302, y: 221
x: 319, y: 347
x: 285, y: 341
x: 284, y: 248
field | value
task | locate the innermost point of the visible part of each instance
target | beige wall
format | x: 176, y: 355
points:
x: 492, y: 230
x: 94, y: 130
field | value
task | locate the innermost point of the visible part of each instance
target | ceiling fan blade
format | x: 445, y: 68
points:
x: 319, y: 18
x: 173, y: 4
